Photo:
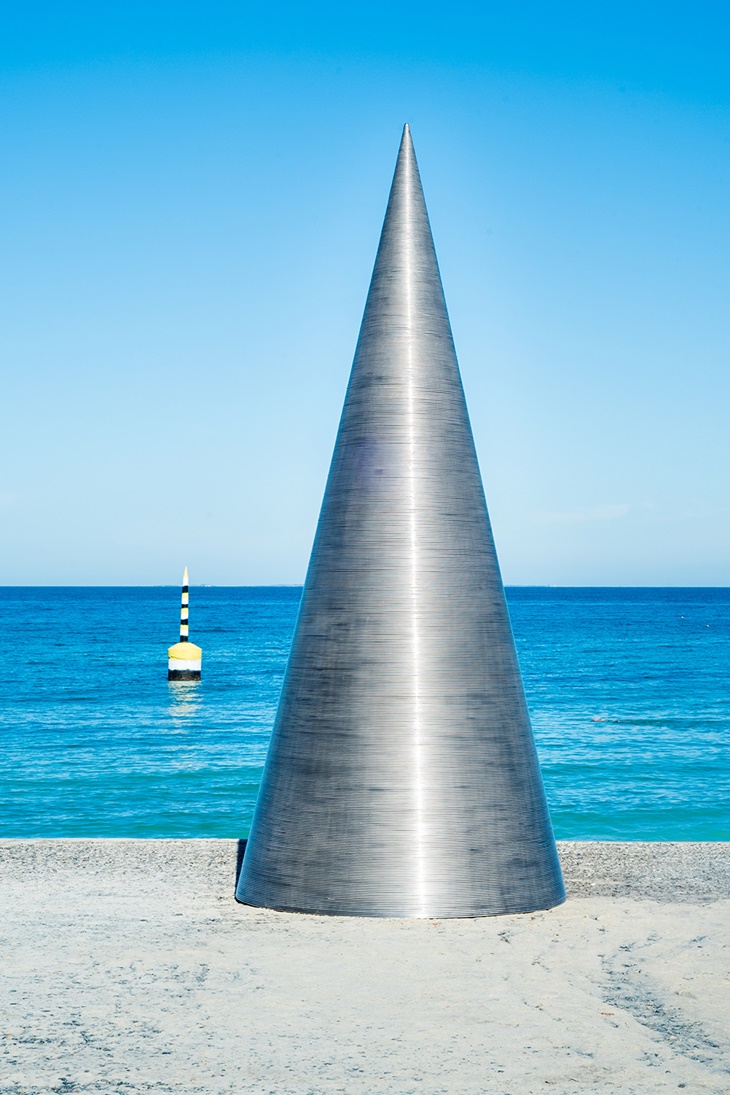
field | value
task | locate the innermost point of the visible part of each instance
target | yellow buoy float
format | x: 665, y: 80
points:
x: 184, y: 658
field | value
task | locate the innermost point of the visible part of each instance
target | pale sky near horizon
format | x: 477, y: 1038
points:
x: 191, y: 201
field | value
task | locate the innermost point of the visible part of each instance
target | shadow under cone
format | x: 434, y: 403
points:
x: 402, y: 777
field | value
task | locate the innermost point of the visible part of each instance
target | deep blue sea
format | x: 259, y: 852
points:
x: 629, y: 691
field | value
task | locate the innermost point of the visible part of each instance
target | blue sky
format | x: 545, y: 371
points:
x: 191, y: 200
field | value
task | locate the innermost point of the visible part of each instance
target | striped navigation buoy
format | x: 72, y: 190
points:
x: 184, y: 658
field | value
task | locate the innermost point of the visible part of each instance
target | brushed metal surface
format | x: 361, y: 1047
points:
x: 402, y: 778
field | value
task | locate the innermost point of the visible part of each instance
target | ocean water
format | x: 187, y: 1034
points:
x: 629, y: 691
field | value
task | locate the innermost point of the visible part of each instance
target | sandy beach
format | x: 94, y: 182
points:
x: 128, y: 967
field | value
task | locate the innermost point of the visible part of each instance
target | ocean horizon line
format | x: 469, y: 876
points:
x: 300, y: 585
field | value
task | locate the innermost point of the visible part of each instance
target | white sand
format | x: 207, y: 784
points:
x: 127, y: 967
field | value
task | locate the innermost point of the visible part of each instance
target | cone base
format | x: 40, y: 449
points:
x: 549, y: 896
x: 437, y: 913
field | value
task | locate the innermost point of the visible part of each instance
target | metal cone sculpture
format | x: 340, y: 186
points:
x: 402, y: 778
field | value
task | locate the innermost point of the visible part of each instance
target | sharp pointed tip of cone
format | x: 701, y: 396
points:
x: 406, y: 150
x: 185, y: 576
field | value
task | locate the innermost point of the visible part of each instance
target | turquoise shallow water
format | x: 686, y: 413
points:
x: 629, y: 691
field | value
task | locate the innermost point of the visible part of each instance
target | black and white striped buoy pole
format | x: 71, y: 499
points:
x: 184, y: 658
